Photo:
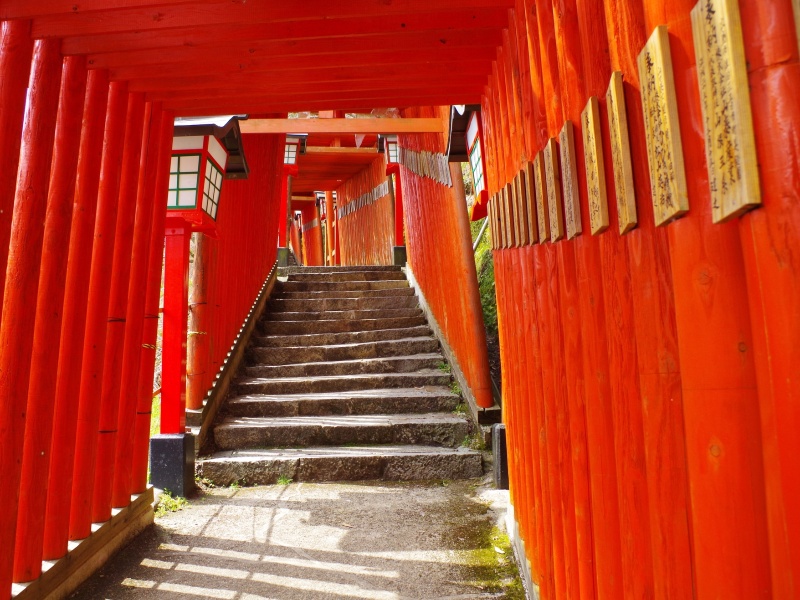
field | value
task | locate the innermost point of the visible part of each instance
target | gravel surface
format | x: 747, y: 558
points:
x: 422, y: 541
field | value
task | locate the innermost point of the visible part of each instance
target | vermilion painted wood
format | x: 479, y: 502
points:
x: 97, y: 314
x: 144, y: 394
x: 47, y: 330
x: 146, y: 195
x: 721, y: 404
x: 178, y: 234
x: 329, y: 217
x: 654, y: 321
x: 22, y: 282
x: 308, y: 55
x: 394, y: 170
x: 216, y: 12
x: 134, y: 162
x: 76, y: 291
x: 320, y: 26
x: 772, y: 275
x: 16, y: 47
x: 277, y: 57
x: 197, y: 362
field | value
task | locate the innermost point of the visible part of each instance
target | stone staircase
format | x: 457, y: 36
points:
x: 344, y: 381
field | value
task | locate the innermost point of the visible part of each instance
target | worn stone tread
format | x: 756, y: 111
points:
x: 431, y: 429
x: 426, y: 399
x: 280, y: 293
x: 346, y: 337
x: 336, y: 325
x: 342, y: 463
x: 298, y: 354
x: 344, y: 314
x: 336, y: 383
x: 390, y: 364
x: 341, y: 304
x: 348, y: 276
x: 319, y: 286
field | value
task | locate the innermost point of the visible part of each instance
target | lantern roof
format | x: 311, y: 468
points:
x: 226, y: 130
x: 459, y: 121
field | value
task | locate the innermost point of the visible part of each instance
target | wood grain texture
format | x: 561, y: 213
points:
x: 553, y: 176
x: 523, y: 218
x: 529, y: 191
x: 725, y: 100
x: 595, y: 167
x: 569, y: 180
x: 621, y: 154
x: 664, y: 149
x: 542, y: 214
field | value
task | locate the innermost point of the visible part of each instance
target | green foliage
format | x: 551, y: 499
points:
x: 461, y: 409
x: 283, y: 480
x: 455, y: 388
x: 484, y: 265
x: 474, y: 442
x: 168, y: 503
x: 443, y: 367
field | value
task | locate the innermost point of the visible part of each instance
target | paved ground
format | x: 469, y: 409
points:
x: 408, y: 541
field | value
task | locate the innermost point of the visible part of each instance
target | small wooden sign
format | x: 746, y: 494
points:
x: 555, y: 212
x: 506, y: 218
x: 662, y: 129
x: 542, y: 214
x: 621, y: 154
x: 796, y: 8
x: 523, y: 238
x: 491, y: 216
x: 595, y: 168
x: 725, y: 99
x: 529, y: 187
x: 512, y: 216
x: 569, y: 180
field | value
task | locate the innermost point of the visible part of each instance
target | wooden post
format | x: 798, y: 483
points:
x: 24, y: 255
x: 653, y: 316
x: 720, y: 400
x: 146, y: 196
x: 134, y: 159
x: 197, y: 362
x: 76, y: 292
x: 155, y: 263
x: 329, y: 232
x: 770, y: 238
x: 97, y: 312
x: 176, y: 307
x: 16, y: 47
x: 47, y: 331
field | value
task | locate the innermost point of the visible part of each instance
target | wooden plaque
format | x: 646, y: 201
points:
x: 569, y: 180
x: 501, y: 223
x: 662, y: 129
x: 512, y: 216
x: 621, y: 154
x: 506, y: 218
x: 542, y: 215
x: 492, y: 228
x: 555, y: 213
x: 725, y: 99
x: 595, y: 169
x: 529, y: 188
x: 796, y: 8
x: 523, y: 238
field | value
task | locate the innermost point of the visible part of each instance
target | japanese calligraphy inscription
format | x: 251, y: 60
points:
x: 621, y: 154
x: 595, y: 169
x: 553, y: 176
x: 569, y: 180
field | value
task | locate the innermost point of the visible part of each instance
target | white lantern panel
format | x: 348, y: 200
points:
x: 187, y: 198
x: 173, y: 182
x: 172, y: 199
x: 188, y: 181
x: 187, y: 142
x: 219, y: 153
x: 173, y: 165
x: 190, y: 164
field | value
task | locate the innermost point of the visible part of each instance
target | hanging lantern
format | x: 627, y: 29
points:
x: 295, y: 146
x: 195, y: 180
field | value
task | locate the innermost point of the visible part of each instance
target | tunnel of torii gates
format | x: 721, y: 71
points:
x: 639, y: 161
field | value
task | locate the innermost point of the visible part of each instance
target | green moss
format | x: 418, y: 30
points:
x: 484, y: 265
x: 168, y: 503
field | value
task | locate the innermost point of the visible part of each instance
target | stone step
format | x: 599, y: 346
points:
x: 368, y: 366
x: 340, y: 304
x: 320, y: 269
x: 348, y: 337
x: 431, y: 429
x: 343, y: 463
x: 324, y: 286
x: 278, y: 293
x: 387, y: 313
x: 336, y: 325
x: 301, y: 354
x: 339, y: 383
x: 348, y: 276
x: 361, y: 402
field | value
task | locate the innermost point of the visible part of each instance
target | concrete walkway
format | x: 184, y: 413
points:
x: 420, y: 541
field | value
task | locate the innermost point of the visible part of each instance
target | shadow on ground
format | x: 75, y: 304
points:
x: 434, y: 541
